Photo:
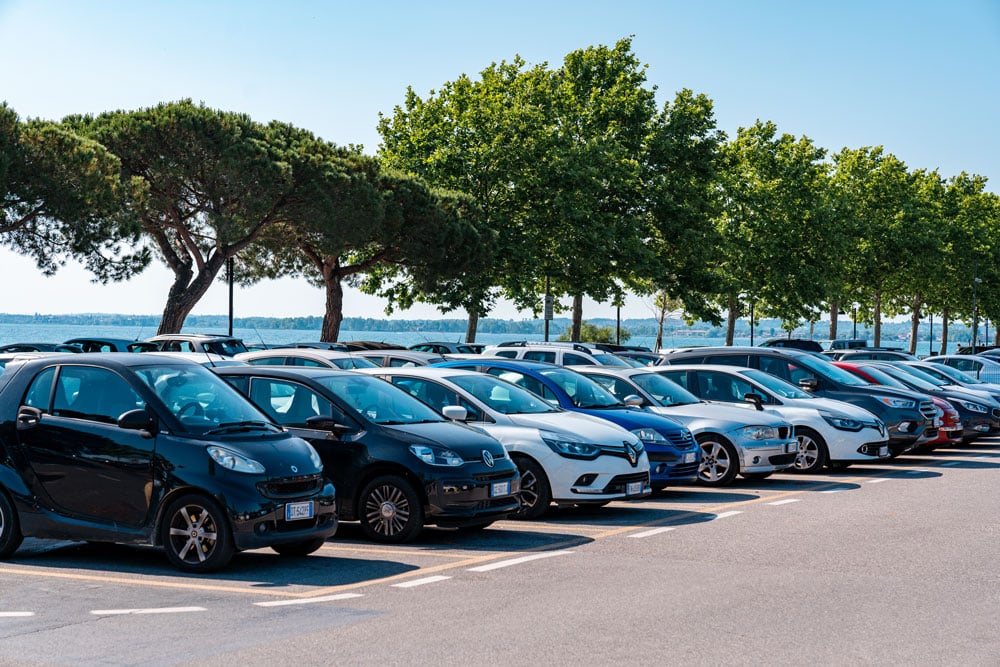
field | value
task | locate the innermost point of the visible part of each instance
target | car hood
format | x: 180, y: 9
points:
x: 592, y: 429
x: 631, y: 419
x: 282, y: 455
x: 464, y: 440
x: 718, y: 416
x: 832, y: 406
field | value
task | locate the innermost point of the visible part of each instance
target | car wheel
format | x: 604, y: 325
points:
x: 719, y: 461
x: 196, y: 534
x: 536, y: 494
x: 297, y: 549
x: 391, y: 511
x: 812, y: 454
x: 756, y: 475
x: 10, y: 530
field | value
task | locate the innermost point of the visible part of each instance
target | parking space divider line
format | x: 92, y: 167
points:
x: 786, y: 501
x: 16, y: 614
x: 325, y: 598
x: 654, y: 531
x: 421, y: 582
x: 517, y: 561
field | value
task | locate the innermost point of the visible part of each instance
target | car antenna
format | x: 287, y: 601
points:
x: 260, y: 338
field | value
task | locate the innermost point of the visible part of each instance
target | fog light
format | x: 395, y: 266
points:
x: 661, y: 469
x: 904, y: 426
x: 262, y: 528
x: 585, y: 480
x: 756, y: 459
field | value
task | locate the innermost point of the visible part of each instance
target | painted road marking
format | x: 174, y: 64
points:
x: 786, y: 501
x: 161, y: 610
x: 654, y: 531
x: 16, y: 614
x: 517, y: 561
x: 421, y: 582
x: 877, y: 481
x: 326, y: 598
x: 726, y: 514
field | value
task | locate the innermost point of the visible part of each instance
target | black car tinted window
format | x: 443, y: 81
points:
x: 97, y: 394
x: 40, y: 391
x: 540, y: 355
x: 742, y: 360
x: 288, y: 403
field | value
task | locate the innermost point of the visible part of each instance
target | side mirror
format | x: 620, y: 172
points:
x: 756, y: 399
x: 138, y: 420
x: 633, y: 401
x: 455, y: 413
x: 809, y: 384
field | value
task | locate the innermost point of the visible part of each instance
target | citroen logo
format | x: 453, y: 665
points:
x: 487, y: 458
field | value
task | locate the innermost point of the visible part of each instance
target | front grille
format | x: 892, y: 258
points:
x: 781, y: 459
x: 681, y: 440
x: 928, y: 410
x: 661, y: 457
x: 478, y: 458
x: 291, y: 487
x: 497, y: 476
x: 619, y: 483
x: 494, y: 503
x: 685, y: 470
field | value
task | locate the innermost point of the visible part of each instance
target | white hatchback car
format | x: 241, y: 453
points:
x: 564, y: 457
x: 830, y: 432
x: 562, y: 354
x: 754, y: 444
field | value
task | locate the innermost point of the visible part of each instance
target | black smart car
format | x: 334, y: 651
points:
x: 141, y: 449
x: 396, y: 463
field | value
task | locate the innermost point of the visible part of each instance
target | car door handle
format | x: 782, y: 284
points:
x: 28, y: 417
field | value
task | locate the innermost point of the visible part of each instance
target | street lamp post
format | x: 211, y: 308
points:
x: 930, y: 345
x: 854, y: 319
x: 975, y: 313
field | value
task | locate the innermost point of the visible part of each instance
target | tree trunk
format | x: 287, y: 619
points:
x: 877, y: 317
x: 660, y: 318
x: 915, y: 316
x: 834, y: 314
x: 944, y: 331
x: 333, y: 316
x: 731, y: 322
x: 472, y: 327
x: 185, y: 294
x: 577, y: 318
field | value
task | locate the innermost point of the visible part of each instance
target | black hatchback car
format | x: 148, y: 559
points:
x: 908, y: 416
x: 396, y: 463
x: 128, y: 448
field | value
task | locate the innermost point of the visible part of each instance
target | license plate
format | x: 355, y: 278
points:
x: 634, y: 489
x: 883, y: 450
x: 689, y: 458
x: 499, y: 489
x: 299, y: 511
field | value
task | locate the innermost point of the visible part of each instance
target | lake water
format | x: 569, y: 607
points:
x: 57, y: 333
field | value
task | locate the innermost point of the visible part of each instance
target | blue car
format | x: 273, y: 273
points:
x: 674, y: 456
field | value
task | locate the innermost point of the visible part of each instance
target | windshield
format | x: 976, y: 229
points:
x: 915, y: 379
x: 828, y: 370
x: 582, y: 391
x: 197, y: 397
x: 775, y: 384
x: 504, y: 397
x: 950, y: 373
x: 377, y: 400
x: 666, y: 392
x: 883, y: 378
x: 610, y: 360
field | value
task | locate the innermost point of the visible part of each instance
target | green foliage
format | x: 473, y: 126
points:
x: 591, y: 333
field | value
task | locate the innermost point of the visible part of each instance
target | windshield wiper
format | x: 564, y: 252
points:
x: 240, y: 427
x: 600, y: 406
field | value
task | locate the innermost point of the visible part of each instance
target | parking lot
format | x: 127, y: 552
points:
x: 690, y: 554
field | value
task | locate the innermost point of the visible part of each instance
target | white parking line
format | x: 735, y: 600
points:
x: 161, y: 610
x: 877, y: 481
x: 727, y: 514
x: 421, y: 582
x: 325, y: 598
x: 785, y: 501
x: 837, y: 490
x: 517, y: 561
x: 654, y: 531
x: 16, y: 614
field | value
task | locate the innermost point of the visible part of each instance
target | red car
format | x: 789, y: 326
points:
x: 948, y: 422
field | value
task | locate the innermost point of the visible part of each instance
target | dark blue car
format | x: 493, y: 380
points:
x: 674, y: 456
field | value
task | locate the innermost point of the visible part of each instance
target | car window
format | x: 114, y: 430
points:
x: 682, y: 378
x: 506, y: 354
x: 663, y: 389
x: 424, y: 347
x: 571, y: 359
x: 533, y: 385
x: 433, y: 394
x: 501, y: 396
x: 610, y: 360
x: 307, y: 363
x: 723, y: 387
x: 582, y: 391
x: 729, y: 359
x: 40, y: 392
x: 377, y: 400
x: 269, y: 361
x: 617, y: 386
x: 397, y: 362
x: 288, y: 403
x: 540, y: 355
x: 96, y: 394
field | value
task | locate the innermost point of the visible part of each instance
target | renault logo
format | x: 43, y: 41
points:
x: 633, y: 456
x: 487, y: 458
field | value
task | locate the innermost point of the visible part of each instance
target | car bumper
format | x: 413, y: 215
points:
x: 767, y: 455
x: 262, y: 522
x: 475, y: 496
x: 672, y: 465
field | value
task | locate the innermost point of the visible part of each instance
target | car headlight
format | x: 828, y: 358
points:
x: 435, y: 456
x: 569, y: 446
x: 759, y: 432
x: 232, y: 461
x: 843, y: 422
x: 974, y: 407
x: 650, y: 436
x: 895, y: 402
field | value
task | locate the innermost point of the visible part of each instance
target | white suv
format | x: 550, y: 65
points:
x: 563, y: 354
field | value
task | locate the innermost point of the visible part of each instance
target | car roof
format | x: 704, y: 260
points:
x: 502, y: 362
x: 197, y: 336
x: 425, y: 371
x: 289, y: 372
x: 299, y: 352
x: 111, y: 359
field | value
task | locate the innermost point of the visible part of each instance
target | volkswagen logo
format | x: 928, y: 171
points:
x: 631, y: 453
x: 487, y: 458
x: 295, y: 469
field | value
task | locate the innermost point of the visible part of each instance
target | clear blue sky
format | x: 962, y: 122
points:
x: 920, y: 78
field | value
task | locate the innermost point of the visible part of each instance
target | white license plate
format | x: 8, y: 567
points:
x: 634, y: 489
x: 299, y: 511
x: 689, y: 457
x: 499, y: 489
x: 883, y: 450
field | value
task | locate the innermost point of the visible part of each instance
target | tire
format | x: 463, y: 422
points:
x: 536, y: 494
x: 196, y: 534
x: 658, y: 487
x: 756, y: 475
x: 390, y: 510
x: 299, y: 549
x: 10, y: 528
x: 813, y: 453
x: 719, y: 461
